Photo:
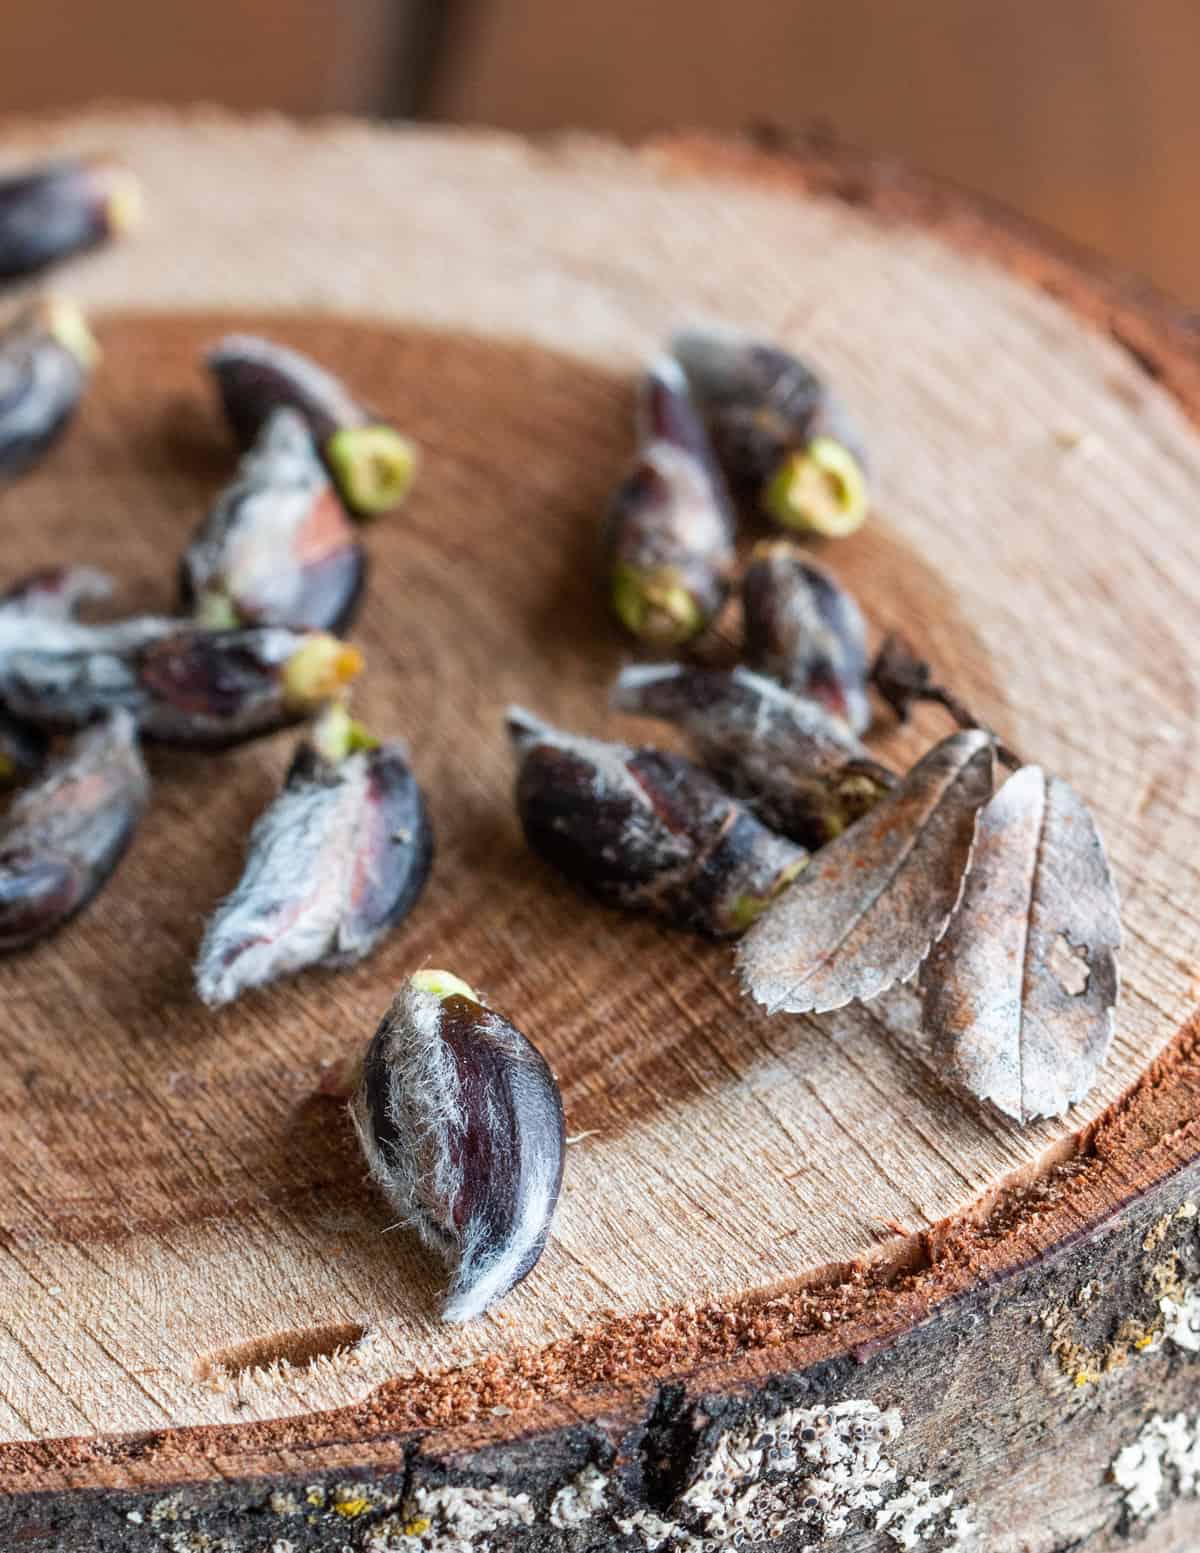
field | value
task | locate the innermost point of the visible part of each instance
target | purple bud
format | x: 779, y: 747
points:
x: 46, y: 354
x: 337, y: 860
x: 461, y: 1123
x: 802, y: 769
x: 48, y: 213
x: 184, y: 684
x: 64, y: 836
x: 278, y: 547
x: 782, y: 437
x: 371, y: 463
x: 646, y: 830
x: 806, y: 631
x: 669, y: 530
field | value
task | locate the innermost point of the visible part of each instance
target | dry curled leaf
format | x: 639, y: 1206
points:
x: 1020, y: 992
x: 864, y: 913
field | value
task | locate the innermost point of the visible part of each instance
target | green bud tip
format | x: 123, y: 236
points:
x: 442, y: 984
x: 124, y: 206
x: 336, y: 735
x: 373, y: 467
x: 319, y: 669
x: 63, y: 320
x: 857, y: 793
x: 215, y: 612
x: 655, y: 606
x: 821, y: 489
x: 747, y: 909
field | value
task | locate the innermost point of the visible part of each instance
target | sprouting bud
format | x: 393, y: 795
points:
x: 805, y: 772
x: 317, y: 669
x: 372, y: 465
x: 50, y: 212
x: 782, y: 437
x: 55, y: 592
x: 46, y: 353
x: 64, y: 836
x: 278, y: 547
x: 461, y: 1123
x: 337, y: 860
x: 182, y: 683
x: 669, y: 530
x: 335, y: 734
x: 819, y: 489
x: 805, y: 631
x: 646, y: 830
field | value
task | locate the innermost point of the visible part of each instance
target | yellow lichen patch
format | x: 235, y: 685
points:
x: 352, y: 1507
x: 1164, y: 1285
x: 1166, y: 1279
x: 418, y: 1526
x: 1081, y: 1364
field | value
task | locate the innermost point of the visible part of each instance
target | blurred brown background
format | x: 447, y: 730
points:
x: 1085, y: 114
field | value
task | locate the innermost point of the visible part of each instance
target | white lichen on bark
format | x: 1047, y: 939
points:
x: 654, y: 1531
x: 914, y: 1513
x: 585, y: 1496
x: 452, y: 1519
x: 1161, y: 1465
x: 812, y: 1465
x: 1181, y: 1320
x: 810, y: 1469
x: 821, y: 1472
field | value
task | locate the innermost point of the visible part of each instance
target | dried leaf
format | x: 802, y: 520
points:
x: 864, y: 913
x: 1021, y: 990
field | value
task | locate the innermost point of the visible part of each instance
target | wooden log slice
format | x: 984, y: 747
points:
x: 798, y: 1287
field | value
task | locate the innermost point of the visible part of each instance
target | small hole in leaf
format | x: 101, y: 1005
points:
x: 1070, y: 965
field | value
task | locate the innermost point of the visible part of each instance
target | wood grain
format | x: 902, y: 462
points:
x: 181, y: 1210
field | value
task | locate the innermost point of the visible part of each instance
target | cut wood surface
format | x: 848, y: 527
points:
x: 186, y: 1233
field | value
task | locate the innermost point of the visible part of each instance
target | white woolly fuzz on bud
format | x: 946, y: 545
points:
x: 461, y: 1124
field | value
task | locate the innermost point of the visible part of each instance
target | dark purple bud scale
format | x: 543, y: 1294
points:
x: 46, y: 354
x: 669, y: 530
x: 183, y: 684
x: 64, y: 836
x: 370, y: 462
x: 278, y: 547
x: 61, y: 208
x: 646, y: 830
x: 51, y: 594
x: 804, y: 630
x: 783, y: 439
x: 337, y: 860
x: 802, y: 769
x: 461, y: 1122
